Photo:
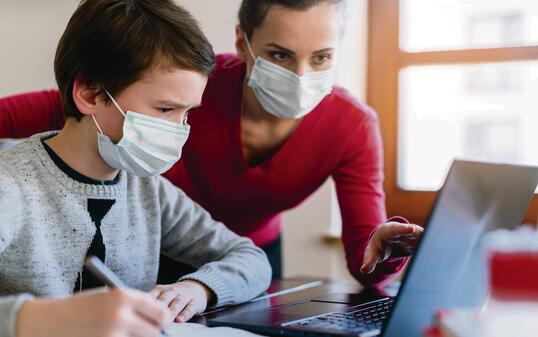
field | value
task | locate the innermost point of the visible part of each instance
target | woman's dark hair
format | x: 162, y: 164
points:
x: 253, y: 12
x: 112, y: 43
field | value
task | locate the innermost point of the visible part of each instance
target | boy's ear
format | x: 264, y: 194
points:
x: 240, y: 44
x: 86, y: 98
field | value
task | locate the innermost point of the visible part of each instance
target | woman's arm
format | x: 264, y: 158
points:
x: 359, y: 186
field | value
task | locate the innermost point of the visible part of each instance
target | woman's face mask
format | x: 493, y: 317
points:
x: 285, y: 94
x: 296, y: 53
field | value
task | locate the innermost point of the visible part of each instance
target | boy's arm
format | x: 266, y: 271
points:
x: 10, y: 213
x: 229, y: 265
x: 11, y: 209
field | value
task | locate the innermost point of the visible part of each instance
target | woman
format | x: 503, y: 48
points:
x: 275, y: 128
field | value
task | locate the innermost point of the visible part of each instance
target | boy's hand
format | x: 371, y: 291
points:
x: 184, y: 299
x: 89, y: 314
x: 391, y: 239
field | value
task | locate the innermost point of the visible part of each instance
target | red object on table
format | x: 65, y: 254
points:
x: 514, y: 275
x: 432, y: 331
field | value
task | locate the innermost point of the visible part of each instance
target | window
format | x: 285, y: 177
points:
x: 451, y: 79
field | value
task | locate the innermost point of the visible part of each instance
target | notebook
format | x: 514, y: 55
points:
x: 199, y: 330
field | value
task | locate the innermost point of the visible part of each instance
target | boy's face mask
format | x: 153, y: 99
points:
x: 149, y: 145
x: 285, y: 94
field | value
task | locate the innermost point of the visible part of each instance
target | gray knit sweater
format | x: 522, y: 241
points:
x: 45, y: 233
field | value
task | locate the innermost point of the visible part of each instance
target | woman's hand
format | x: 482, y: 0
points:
x: 391, y: 239
x: 184, y: 299
x: 116, y: 313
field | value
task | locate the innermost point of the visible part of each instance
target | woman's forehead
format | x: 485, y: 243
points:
x: 317, y: 28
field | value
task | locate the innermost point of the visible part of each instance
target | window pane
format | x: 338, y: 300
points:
x: 428, y: 25
x: 486, y: 112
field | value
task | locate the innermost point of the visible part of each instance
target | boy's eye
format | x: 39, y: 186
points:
x: 164, y: 110
x: 279, y: 56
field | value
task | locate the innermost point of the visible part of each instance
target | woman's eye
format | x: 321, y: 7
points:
x: 164, y: 110
x: 320, y: 59
x: 279, y: 56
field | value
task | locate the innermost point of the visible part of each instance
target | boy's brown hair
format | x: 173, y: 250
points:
x: 110, y: 44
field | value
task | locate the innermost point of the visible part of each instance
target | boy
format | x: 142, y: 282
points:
x: 128, y: 71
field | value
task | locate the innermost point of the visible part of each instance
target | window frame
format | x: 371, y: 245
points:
x: 385, y: 60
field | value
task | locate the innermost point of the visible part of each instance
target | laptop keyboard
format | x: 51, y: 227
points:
x: 363, y: 318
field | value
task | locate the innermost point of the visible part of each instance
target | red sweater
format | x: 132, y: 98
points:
x: 340, y: 138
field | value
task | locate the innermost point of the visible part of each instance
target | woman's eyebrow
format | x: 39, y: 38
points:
x: 323, y: 50
x: 274, y: 45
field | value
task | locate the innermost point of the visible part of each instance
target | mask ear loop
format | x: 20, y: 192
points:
x: 96, y: 124
x: 248, y: 46
x: 114, y: 101
x: 117, y: 106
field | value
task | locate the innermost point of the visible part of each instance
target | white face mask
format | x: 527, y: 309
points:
x: 285, y: 94
x: 149, y: 145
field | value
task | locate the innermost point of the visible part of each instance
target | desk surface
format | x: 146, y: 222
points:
x: 328, y: 286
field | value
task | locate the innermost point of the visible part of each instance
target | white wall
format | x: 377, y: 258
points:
x: 29, y: 33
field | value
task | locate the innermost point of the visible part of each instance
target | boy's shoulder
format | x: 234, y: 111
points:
x: 169, y: 194
x: 13, y: 170
x: 20, y: 159
x: 18, y: 167
x: 11, y: 158
x: 166, y: 187
x: 16, y: 151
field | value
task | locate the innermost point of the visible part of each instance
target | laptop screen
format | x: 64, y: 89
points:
x: 447, y: 271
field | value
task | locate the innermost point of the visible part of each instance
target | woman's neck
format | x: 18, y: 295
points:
x: 253, y: 110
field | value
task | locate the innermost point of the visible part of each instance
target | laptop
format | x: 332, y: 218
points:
x: 445, y: 272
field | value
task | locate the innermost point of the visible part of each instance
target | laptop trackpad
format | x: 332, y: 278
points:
x: 309, y: 309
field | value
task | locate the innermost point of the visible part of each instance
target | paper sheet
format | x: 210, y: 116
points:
x: 195, y: 330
